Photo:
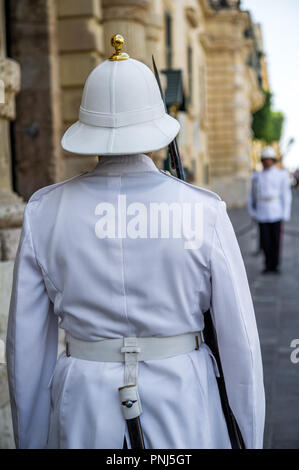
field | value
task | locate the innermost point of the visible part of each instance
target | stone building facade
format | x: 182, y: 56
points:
x: 56, y: 43
x: 208, y: 43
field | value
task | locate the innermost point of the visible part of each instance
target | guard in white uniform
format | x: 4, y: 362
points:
x: 94, y: 260
x: 270, y: 204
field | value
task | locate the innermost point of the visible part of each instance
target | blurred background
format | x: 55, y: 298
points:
x: 230, y: 72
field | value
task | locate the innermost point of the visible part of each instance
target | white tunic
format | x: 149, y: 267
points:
x: 270, y: 196
x: 124, y: 286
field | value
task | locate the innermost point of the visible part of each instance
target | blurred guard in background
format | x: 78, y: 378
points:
x: 270, y: 204
x: 131, y: 306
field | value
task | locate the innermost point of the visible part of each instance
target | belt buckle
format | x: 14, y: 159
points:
x: 130, y: 349
x: 197, y: 345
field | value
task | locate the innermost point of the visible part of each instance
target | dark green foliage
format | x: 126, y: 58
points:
x: 261, y: 118
x: 267, y: 124
x: 275, y: 130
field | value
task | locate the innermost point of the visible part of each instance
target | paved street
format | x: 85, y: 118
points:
x: 276, y: 300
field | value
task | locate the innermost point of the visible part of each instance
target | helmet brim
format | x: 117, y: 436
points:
x: 145, y: 137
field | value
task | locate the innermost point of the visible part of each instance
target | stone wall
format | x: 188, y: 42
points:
x: 11, y: 214
x: 233, y: 92
x: 33, y: 43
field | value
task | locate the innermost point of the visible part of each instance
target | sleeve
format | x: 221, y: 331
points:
x: 252, y: 199
x: 286, y: 197
x: 31, y: 346
x: 234, y: 320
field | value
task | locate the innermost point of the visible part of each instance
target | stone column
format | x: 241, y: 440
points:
x: 81, y: 49
x: 141, y: 24
x: 128, y: 18
x: 11, y: 206
x: 154, y: 31
x: 32, y: 41
x: 11, y: 215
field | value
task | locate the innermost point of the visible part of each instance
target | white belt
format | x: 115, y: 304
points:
x: 267, y: 199
x: 131, y: 350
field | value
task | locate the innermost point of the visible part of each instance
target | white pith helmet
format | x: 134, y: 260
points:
x: 121, y: 112
x: 268, y: 152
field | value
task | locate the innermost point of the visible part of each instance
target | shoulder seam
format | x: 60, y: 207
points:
x: 47, y: 189
x: 207, y: 191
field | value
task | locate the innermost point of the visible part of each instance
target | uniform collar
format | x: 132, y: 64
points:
x: 125, y: 163
x: 273, y: 167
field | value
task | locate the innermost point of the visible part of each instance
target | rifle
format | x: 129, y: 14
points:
x: 210, y: 336
x: 173, y: 149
